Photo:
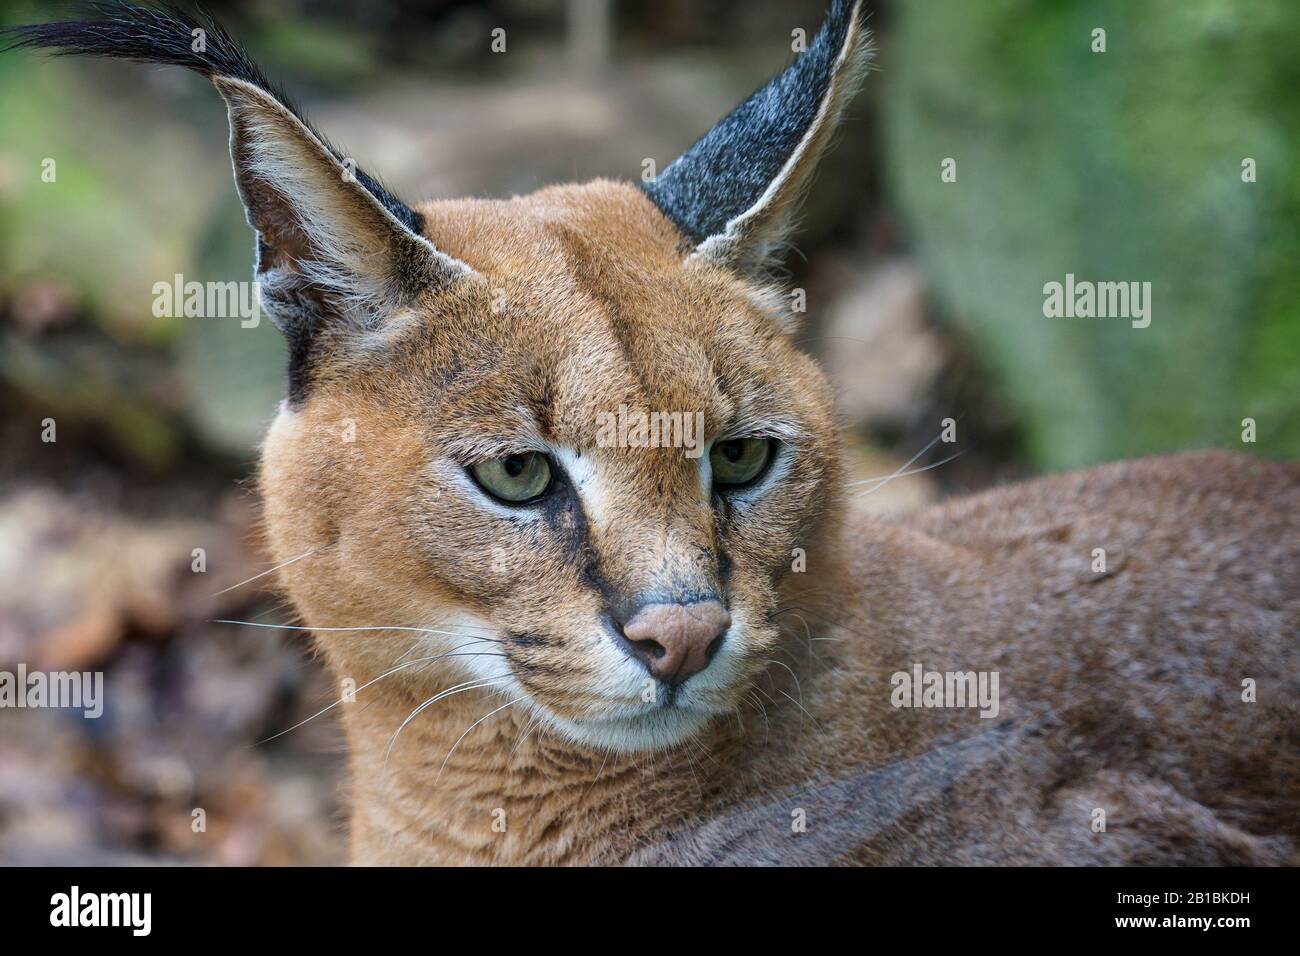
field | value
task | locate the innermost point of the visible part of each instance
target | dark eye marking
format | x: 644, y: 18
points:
x: 529, y: 639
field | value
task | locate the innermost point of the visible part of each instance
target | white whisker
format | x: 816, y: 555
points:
x: 767, y: 726
x: 269, y: 571
x: 393, y: 627
x: 387, y: 673
x: 523, y: 734
x: 772, y: 660
x: 456, y: 689
x: 906, y: 465
x: 815, y: 721
x: 807, y: 635
x: 886, y: 479
x: 467, y: 732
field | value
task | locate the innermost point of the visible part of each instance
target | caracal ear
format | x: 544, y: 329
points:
x: 336, y: 251
x: 322, y: 234
x: 734, y: 193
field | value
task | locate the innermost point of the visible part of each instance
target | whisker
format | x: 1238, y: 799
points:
x: 594, y: 780
x: 690, y: 759
x: 798, y: 703
x: 467, y: 733
x: 793, y: 676
x: 415, y: 646
x: 269, y: 571
x: 886, y: 480
x: 706, y: 752
x: 829, y: 620
x: 387, y: 673
x: 456, y: 689
x: 523, y: 734
x: 815, y: 721
x: 392, y: 627
x: 788, y: 652
x: 808, y: 638
x: 909, y: 463
x: 767, y: 725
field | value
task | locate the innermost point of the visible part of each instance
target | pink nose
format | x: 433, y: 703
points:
x: 676, y: 641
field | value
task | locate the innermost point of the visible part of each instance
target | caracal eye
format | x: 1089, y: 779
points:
x: 514, y: 479
x: 739, y: 461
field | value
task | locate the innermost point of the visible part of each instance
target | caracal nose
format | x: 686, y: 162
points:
x: 676, y: 641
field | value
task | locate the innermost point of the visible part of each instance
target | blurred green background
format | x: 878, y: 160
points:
x: 925, y: 299
x: 1118, y: 165
x: 1121, y: 165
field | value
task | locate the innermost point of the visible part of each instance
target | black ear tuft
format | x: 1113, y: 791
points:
x: 163, y: 34
x: 733, y: 192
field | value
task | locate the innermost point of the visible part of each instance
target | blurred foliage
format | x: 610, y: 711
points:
x: 1122, y: 165
x: 142, y: 192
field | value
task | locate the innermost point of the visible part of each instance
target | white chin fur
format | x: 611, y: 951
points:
x: 657, y: 730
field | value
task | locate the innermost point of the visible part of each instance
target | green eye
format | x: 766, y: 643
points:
x: 739, y: 461
x: 514, y: 479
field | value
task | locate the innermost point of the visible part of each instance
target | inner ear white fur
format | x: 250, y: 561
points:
x: 350, y: 240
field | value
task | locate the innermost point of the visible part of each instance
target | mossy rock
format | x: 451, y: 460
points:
x: 1123, y: 165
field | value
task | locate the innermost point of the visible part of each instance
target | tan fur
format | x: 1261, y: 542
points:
x: 1119, y: 691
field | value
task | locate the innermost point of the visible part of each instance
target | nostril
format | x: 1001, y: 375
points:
x: 650, y: 648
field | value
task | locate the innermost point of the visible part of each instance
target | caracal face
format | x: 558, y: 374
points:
x: 374, y: 471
